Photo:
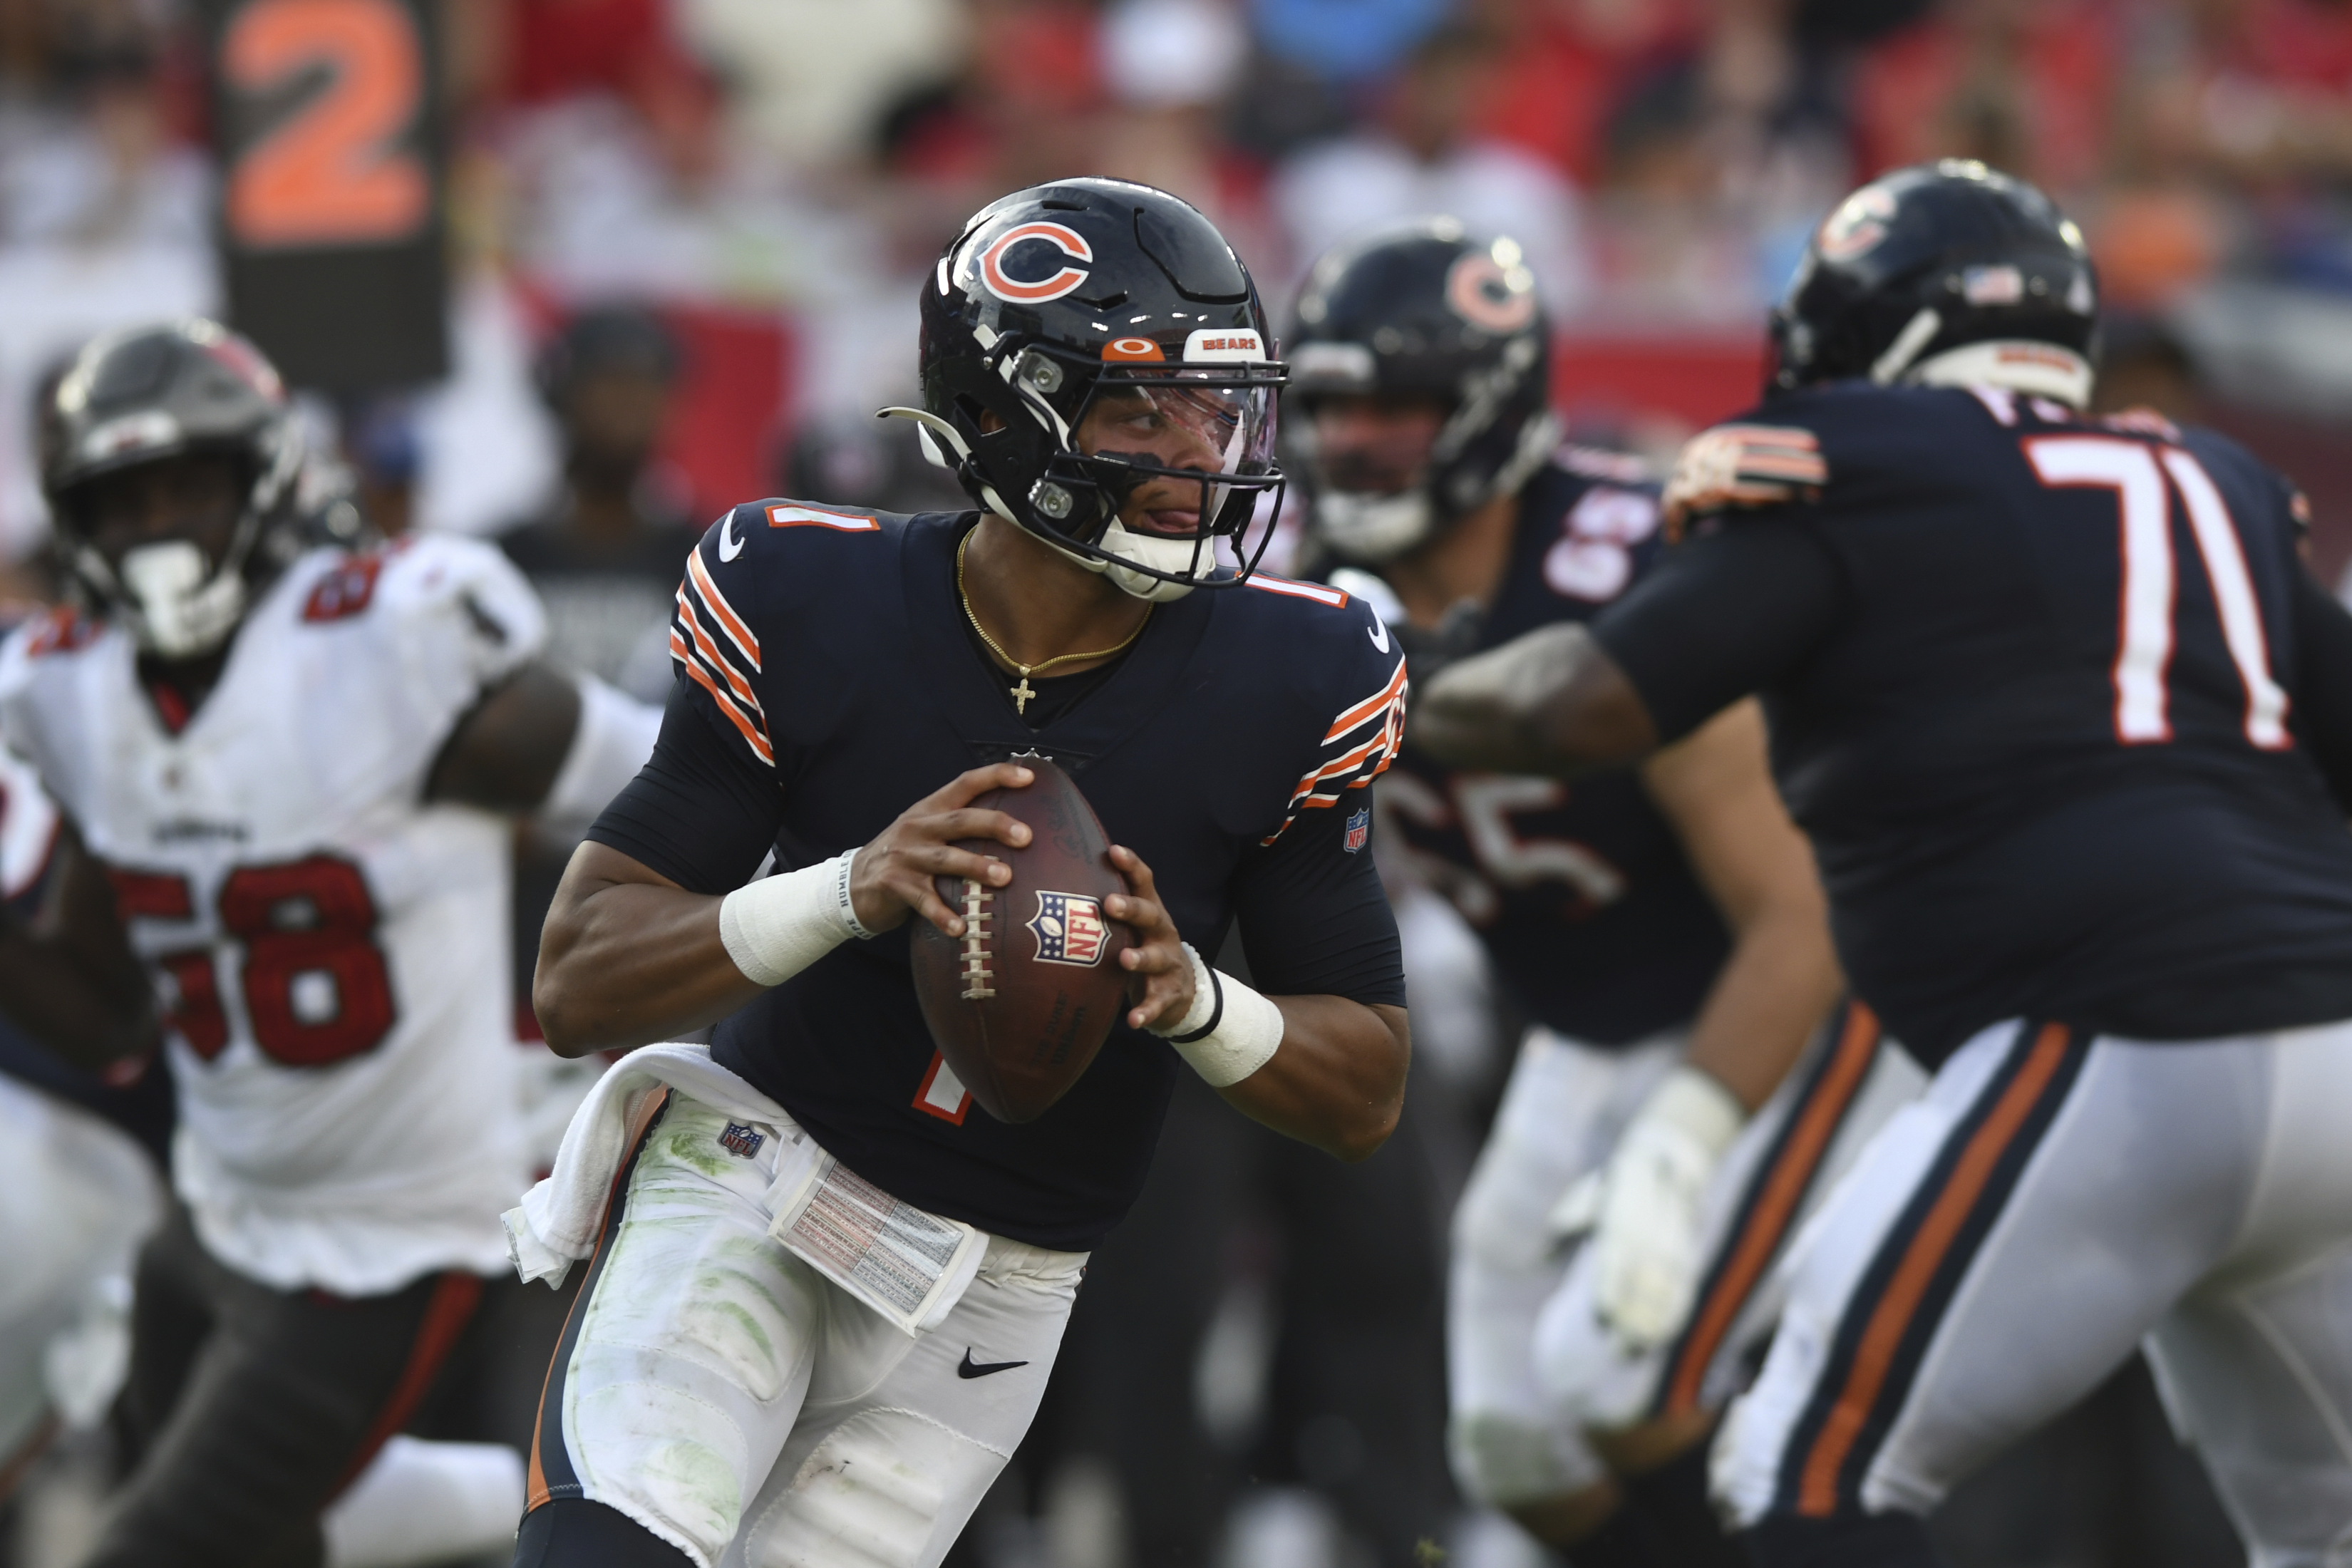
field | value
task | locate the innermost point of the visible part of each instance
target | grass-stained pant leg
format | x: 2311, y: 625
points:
x: 721, y: 1394
x: 681, y: 1372
x: 900, y: 1440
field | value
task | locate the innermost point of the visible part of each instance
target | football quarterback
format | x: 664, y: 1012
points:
x: 830, y: 1284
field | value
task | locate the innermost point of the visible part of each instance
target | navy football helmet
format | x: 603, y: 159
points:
x: 1088, y: 295
x: 1424, y: 309
x: 1945, y: 272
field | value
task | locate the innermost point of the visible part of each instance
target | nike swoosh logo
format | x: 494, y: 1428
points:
x: 730, y: 547
x: 971, y: 1368
x: 1379, y: 632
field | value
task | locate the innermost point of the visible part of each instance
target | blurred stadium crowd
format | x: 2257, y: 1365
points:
x: 687, y: 237
x: 771, y: 174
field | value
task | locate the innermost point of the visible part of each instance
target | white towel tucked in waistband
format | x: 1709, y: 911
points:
x: 907, y: 1264
x: 557, y: 1222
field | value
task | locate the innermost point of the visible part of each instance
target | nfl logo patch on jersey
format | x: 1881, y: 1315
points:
x: 740, y: 1140
x: 1069, y: 929
x: 1360, y: 829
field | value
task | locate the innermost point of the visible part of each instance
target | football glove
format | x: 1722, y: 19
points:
x: 1648, y: 1247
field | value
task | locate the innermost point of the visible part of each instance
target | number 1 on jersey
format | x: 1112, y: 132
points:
x: 2150, y: 590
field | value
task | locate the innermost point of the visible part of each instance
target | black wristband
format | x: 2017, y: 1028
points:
x: 1216, y: 1014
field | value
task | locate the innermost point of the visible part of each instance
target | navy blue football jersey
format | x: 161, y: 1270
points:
x: 1229, y: 747
x: 2034, y: 683
x: 1591, y: 917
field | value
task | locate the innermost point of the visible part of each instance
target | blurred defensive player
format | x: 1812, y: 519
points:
x: 1664, y: 928
x: 77, y: 1181
x: 2070, y: 724
x: 284, y: 756
x: 829, y: 1289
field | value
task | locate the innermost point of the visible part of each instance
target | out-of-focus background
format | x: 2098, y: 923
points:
x: 771, y: 177
x: 581, y: 273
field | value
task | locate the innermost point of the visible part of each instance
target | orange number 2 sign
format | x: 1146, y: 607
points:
x: 328, y: 174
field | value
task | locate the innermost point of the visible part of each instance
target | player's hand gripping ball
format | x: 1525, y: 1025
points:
x: 1021, y: 1001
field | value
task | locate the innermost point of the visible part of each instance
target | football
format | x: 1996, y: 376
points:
x: 1022, y: 1001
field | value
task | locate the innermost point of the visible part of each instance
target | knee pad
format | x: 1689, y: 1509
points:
x: 1503, y: 1461
x: 571, y: 1532
x: 1847, y: 1541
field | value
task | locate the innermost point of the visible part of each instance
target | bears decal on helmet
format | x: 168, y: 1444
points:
x: 1103, y: 300
x: 1004, y: 286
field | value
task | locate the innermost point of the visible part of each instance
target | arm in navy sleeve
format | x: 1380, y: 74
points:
x: 1322, y: 946
x: 1314, y: 918
x: 2323, y: 683
x: 631, y: 951
x: 700, y: 812
x: 1730, y: 612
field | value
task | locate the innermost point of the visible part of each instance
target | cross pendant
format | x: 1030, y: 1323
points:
x: 1021, y: 693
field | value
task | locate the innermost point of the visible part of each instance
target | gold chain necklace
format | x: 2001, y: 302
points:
x: 1023, y: 692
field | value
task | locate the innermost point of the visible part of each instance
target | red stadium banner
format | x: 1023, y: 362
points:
x: 1696, y: 378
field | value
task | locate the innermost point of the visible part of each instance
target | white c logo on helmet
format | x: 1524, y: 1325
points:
x: 1070, y: 241
x: 1486, y: 293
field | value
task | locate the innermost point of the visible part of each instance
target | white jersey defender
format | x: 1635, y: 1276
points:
x: 331, y: 950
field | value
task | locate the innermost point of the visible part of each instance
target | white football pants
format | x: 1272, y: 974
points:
x: 2005, y: 1241
x: 1562, y: 1111
x: 734, y: 1402
x: 1777, y: 1173
x: 76, y: 1197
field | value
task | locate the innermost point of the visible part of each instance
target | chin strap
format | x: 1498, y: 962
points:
x: 1118, y: 540
x: 933, y: 431
x: 1372, y: 530
x: 1375, y: 529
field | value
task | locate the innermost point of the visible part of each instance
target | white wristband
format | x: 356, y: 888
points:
x: 778, y: 926
x: 1229, y: 1032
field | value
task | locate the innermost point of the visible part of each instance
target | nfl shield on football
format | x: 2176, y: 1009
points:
x: 1020, y: 1004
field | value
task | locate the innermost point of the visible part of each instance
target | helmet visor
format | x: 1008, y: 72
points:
x: 1194, y: 421
x: 1179, y: 432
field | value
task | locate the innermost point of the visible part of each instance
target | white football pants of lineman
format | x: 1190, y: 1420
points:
x: 1777, y: 1173
x: 2195, y: 1196
x: 728, y: 1398
x: 1562, y: 1111
x: 76, y: 1197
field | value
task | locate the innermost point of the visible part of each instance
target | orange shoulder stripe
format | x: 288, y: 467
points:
x: 1363, y: 710
x: 735, y: 716
x: 724, y: 613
